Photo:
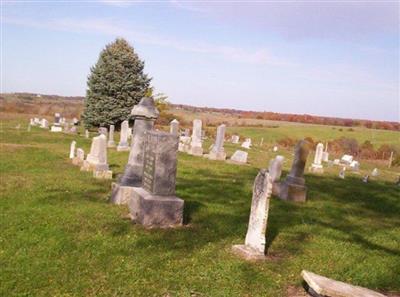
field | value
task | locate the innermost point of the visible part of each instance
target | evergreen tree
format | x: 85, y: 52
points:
x: 115, y: 84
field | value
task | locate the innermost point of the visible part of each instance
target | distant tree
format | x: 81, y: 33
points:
x: 115, y: 84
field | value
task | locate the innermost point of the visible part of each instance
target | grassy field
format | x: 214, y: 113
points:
x: 60, y: 236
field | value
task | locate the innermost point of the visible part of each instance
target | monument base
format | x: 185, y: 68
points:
x: 196, y: 151
x: 248, y: 253
x: 217, y: 156
x: 123, y: 148
x: 121, y: 194
x: 315, y: 168
x: 102, y: 174
x: 154, y: 211
x: 87, y: 166
x: 292, y: 192
x: 55, y: 129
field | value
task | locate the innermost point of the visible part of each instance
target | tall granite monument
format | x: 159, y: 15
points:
x: 254, y: 245
x: 144, y: 114
x: 293, y: 187
x: 154, y: 204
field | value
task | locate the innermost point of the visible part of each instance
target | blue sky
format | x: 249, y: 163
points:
x: 332, y: 58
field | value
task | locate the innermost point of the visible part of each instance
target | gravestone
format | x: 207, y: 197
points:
x: 239, y: 157
x: 316, y: 166
x: 196, y: 148
x: 323, y: 286
x: 154, y: 204
x: 347, y: 159
x: 275, y: 149
x: 57, y: 124
x: 293, y: 187
x: 80, y: 157
x: 72, y: 150
x: 235, y: 139
x: 261, y: 141
x: 325, y: 154
x: 275, y: 168
x: 144, y: 115
x: 174, y: 127
x: 111, y: 142
x: 87, y: 134
x: 247, y: 143
x: 275, y: 171
x: 96, y: 160
x: 254, y: 245
x: 103, y: 130
x: 354, y: 165
x: 32, y: 122
x: 375, y: 172
x: 217, y: 152
x: 365, y: 178
x: 29, y: 128
x: 44, y: 124
x: 37, y: 121
x: 123, y: 140
x: 342, y: 173
x: 184, y: 144
x: 186, y: 132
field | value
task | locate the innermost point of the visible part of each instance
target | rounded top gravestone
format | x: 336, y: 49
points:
x: 145, y: 108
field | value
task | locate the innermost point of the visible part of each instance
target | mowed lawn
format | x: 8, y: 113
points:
x: 61, y: 237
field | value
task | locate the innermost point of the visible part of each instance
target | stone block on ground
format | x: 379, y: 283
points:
x: 324, y: 286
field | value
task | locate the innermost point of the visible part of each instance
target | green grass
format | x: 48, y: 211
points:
x: 60, y: 236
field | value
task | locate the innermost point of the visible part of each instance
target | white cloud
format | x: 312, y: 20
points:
x: 110, y: 27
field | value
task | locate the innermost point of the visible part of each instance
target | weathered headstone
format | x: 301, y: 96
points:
x: 366, y: 178
x: 254, y: 245
x: 32, y: 122
x: 354, y: 165
x: 196, y: 148
x: 174, y: 127
x: 123, y: 140
x: 87, y: 134
x: 275, y: 168
x: 247, y: 143
x: 375, y: 172
x: 96, y: 160
x: 111, y: 142
x: 275, y: 149
x: 72, y: 150
x: 316, y: 166
x: 342, y: 172
x: 239, y: 157
x: 325, y: 154
x: 80, y: 157
x: 44, y: 124
x: 154, y: 204
x: 184, y: 144
x: 347, y: 159
x: 235, y: 139
x: 144, y: 114
x: 275, y: 171
x: 57, y: 124
x: 293, y: 187
x: 37, y: 121
x: 217, y: 152
x: 323, y: 286
x: 103, y: 130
